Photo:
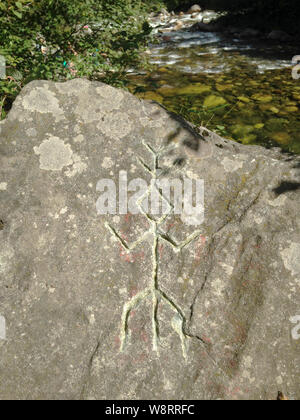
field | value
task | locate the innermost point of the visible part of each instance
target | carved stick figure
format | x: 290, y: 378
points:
x: 154, y: 291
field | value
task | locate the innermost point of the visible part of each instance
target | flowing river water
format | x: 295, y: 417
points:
x: 243, y: 89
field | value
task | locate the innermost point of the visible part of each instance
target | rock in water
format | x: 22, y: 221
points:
x: 279, y: 36
x: 130, y: 305
x: 178, y: 26
x: 194, y: 9
x: 205, y: 27
x: 250, y: 33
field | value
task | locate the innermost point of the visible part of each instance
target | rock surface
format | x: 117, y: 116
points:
x: 205, y: 27
x: 131, y: 306
x: 250, y: 33
x: 194, y: 9
x: 279, y: 36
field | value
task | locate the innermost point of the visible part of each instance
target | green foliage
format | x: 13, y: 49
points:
x: 49, y: 39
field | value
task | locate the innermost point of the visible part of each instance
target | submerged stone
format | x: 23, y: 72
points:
x: 291, y: 109
x: 281, y: 138
x: 242, y: 130
x: 248, y: 138
x: 223, y: 87
x: 262, y: 98
x: 152, y: 96
x: 213, y: 101
x: 244, y: 99
x: 194, y: 89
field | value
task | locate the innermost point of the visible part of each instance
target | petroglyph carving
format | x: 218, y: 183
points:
x: 178, y: 322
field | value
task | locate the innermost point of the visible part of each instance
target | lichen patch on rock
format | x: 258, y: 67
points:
x: 54, y: 154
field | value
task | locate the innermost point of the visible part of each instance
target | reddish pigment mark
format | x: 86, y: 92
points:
x: 199, y: 247
x: 161, y: 251
x: 207, y: 340
x: 236, y: 391
x: 144, y: 336
x: 140, y: 255
x: 133, y: 292
x: 141, y: 358
x: 126, y: 256
x: 170, y: 226
x: 127, y: 217
x: 118, y: 343
x: 123, y: 236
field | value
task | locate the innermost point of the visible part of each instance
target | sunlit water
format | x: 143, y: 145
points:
x: 242, y: 89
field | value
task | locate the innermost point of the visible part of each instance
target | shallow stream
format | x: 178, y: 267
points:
x: 241, y: 88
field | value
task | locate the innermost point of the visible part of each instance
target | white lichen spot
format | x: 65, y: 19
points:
x: 123, y: 291
x: 192, y: 220
x: 6, y: 259
x: 92, y: 319
x: 91, y: 107
x: 246, y: 375
x: 192, y: 175
x: 79, y: 138
x: 43, y: 101
x: 227, y: 268
x: 177, y: 325
x: 218, y: 287
x: 3, y: 186
x: 154, y: 120
x: 231, y: 165
x: 71, y: 218
x: 248, y: 362
x: 116, y: 125
x: 244, y: 157
x: 133, y: 168
x: 291, y: 258
x: 54, y: 154
x: 167, y: 385
x: 73, y: 87
x: 207, y: 304
x: 31, y: 132
x: 280, y: 201
x: 257, y: 219
x: 113, y: 97
x: 107, y: 163
x: 77, y: 168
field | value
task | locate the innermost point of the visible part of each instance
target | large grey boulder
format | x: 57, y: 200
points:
x: 138, y: 306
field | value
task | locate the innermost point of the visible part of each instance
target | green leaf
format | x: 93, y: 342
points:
x: 18, y: 14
